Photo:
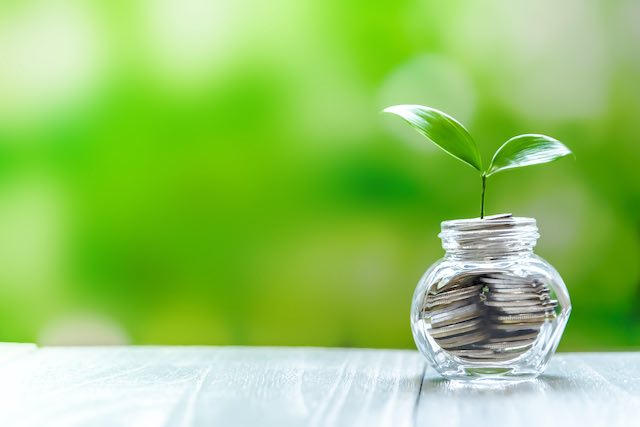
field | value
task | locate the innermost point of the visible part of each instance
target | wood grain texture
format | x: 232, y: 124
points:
x: 235, y: 386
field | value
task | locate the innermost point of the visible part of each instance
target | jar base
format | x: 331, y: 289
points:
x: 490, y: 374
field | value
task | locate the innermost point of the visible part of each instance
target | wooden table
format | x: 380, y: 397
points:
x: 235, y: 386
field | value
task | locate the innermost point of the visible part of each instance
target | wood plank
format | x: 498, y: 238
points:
x: 211, y: 386
x: 15, y: 351
x: 235, y: 386
x: 576, y: 390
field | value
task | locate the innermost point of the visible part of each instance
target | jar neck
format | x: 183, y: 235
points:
x: 495, y: 238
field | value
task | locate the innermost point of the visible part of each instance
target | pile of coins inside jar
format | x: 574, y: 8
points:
x: 488, y: 316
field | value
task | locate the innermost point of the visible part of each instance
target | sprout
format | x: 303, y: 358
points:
x: 448, y: 134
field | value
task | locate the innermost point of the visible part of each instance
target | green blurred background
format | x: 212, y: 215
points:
x: 217, y: 171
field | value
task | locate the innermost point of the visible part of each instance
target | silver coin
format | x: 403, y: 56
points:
x: 450, y: 283
x: 498, y: 216
x: 432, y: 302
x: 494, y: 296
x: 492, y: 357
x: 439, y: 304
x: 540, y: 309
x: 514, y: 287
x: 454, y: 282
x: 516, y: 336
x: 508, y: 280
x: 468, y: 290
x: 456, y: 328
x: 520, y: 318
x: 517, y: 327
x: 518, y: 291
x: 462, y: 340
x: 505, y: 224
x: 444, y: 309
x: 512, y: 346
x: 551, y: 303
x: 482, y: 227
x: 456, y: 315
x: 450, y: 291
x: 515, y: 303
x: 503, y: 287
x: 507, y: 273
x: 509, y: 276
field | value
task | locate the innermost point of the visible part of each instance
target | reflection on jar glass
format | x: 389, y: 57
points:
x: 490, y: 309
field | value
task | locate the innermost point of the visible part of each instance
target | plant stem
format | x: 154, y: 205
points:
x: 484, y: 186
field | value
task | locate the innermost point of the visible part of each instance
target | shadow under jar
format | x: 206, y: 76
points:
x: 490, y: 309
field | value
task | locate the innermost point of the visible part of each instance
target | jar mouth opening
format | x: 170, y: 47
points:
x: 494, y: 236
x: 493, y: 223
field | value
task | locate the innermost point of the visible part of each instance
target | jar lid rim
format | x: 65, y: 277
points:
x: 487, y: 222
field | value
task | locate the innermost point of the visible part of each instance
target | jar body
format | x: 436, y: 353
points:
x: 490, y: 318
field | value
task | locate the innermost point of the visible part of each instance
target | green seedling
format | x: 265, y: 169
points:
x: 448, y: 134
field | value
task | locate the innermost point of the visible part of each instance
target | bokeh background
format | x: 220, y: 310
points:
x: 218, y: 172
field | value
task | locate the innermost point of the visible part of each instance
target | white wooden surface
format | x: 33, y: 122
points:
x: 234, y: 386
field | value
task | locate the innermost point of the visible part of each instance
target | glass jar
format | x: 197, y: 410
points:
x: 490, y: 309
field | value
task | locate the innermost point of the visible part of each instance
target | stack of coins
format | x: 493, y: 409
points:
x: 488, y: 316
x: 456, y: 312
x: 517, y: 307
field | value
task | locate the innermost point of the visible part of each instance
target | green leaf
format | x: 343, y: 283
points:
x: 443, y: 130
x: 526, y: 150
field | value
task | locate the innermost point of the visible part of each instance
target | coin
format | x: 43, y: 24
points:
x: 454, y: 282
x: 447, y: 309
x: 462, y: 340
x: 437, y: 304
x: 515, y: 289
x: 488, y: 315
x: 498, y: 216
x: 514, y: 303
x: 456, y: 315
x: 456, y: 328
x: 523, y: 310
x: 455, y: 293
x: 520, y: 318
x: 508, y: 281
x: 514, y: 336
x: 470, y: 287
x: 509, y: 346
x: 445, y: 304
x: 485, y: 356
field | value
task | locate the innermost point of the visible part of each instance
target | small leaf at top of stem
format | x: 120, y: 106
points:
x: 526, y: 150
x: 443, y: 130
